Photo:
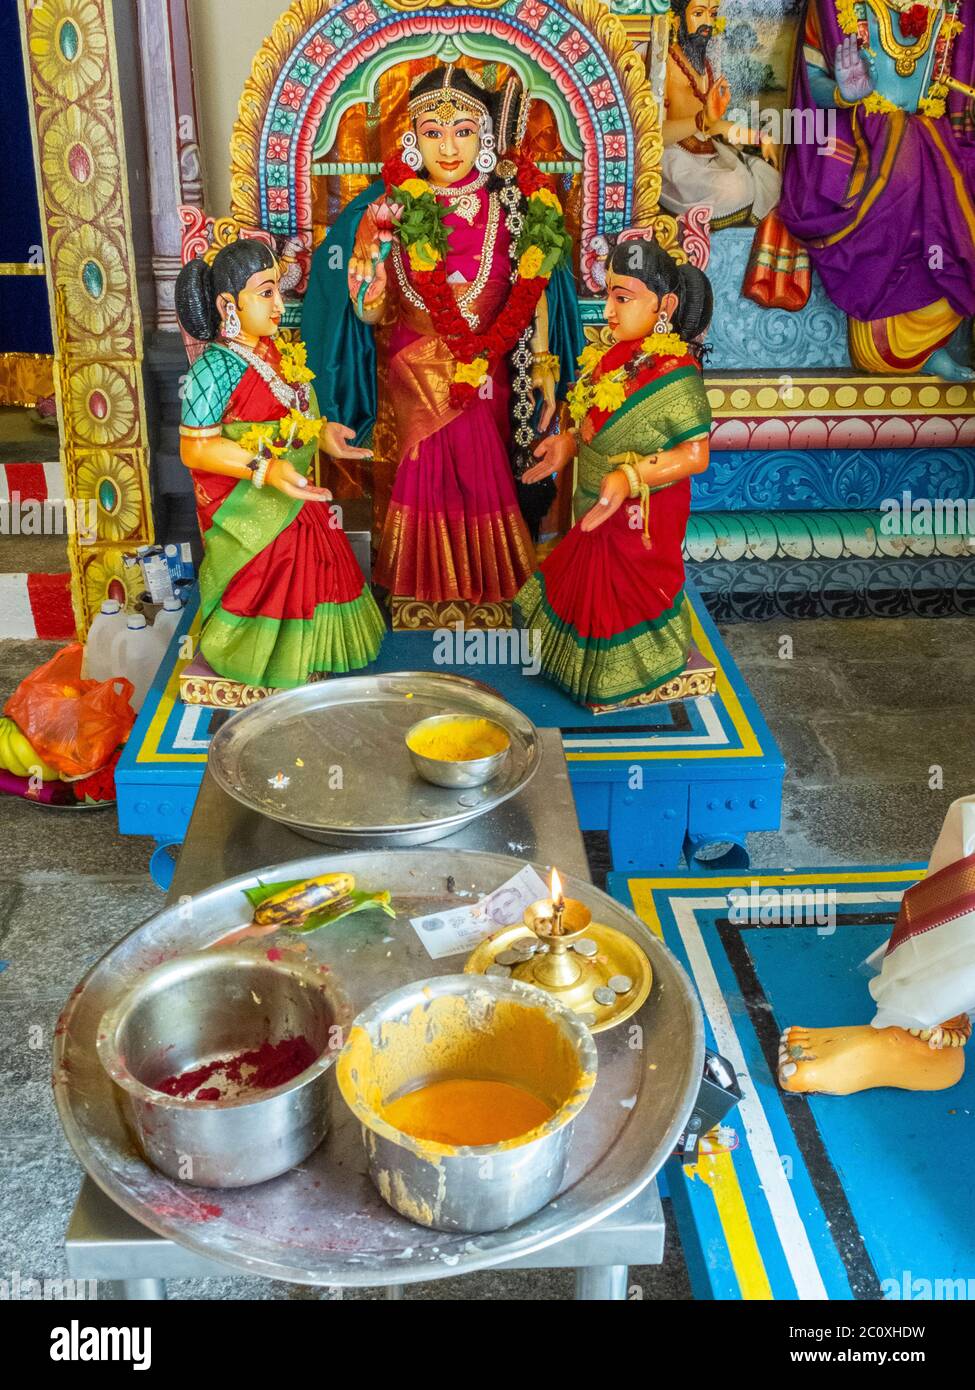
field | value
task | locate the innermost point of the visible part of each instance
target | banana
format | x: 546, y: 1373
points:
x: 291, y: 905
x: 8, y: 756
x: 17, y: 754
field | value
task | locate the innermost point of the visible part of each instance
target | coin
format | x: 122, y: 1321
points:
x: 510, y: 957
x: 585, y: 947
x: 501, y: 970
x: 621, y: 984
x: 604, y: 996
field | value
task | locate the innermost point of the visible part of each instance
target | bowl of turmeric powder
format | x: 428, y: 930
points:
x: 458, y: 750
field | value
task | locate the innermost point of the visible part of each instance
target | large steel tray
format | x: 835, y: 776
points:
x: 330, y: 760
x: 323, y: 1222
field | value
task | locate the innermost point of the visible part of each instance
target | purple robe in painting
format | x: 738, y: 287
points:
x: 888, y: 217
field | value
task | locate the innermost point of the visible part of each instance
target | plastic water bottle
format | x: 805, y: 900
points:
x: 100, y: 661
x: 138, y: 655
x: 166, y: 624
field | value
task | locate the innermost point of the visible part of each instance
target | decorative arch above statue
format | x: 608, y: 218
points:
x: 323, y: 57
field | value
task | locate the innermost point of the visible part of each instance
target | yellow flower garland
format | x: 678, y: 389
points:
x: 299, y: 428
x: 472, y: 373
x: 609, y: 393
x: 665, y: 345
x: 846, y: 15
x: 425, y: 256
x: 294, y: 364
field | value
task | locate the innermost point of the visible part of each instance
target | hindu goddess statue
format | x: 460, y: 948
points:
x: 480, y: 308
x: 282, y: 598
x: 886, y: 209
x: 608, y: 603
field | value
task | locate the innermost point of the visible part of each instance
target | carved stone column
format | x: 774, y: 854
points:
x: 172, y: 137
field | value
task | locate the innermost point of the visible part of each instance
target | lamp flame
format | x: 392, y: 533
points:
x: 556, y: 888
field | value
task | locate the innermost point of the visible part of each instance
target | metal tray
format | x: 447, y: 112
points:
x: 330, y: 760
x: 324, y: 1222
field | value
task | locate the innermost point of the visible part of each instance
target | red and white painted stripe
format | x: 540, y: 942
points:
x: 32, y: 482
x: 34, y: 605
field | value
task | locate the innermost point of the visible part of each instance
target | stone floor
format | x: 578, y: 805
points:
x: 876, y: 724
x: 25, y: 437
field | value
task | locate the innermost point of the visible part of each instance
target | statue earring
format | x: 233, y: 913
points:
x: 231, y: 323
x: 412, y: 157
x: 663, y: 323
x: 487, y: 159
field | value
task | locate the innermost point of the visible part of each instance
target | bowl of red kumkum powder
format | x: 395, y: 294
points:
x: 221, y: 1061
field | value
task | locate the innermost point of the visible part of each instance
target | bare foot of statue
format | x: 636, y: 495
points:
x: 941, y: 363
x: 840, y: 1061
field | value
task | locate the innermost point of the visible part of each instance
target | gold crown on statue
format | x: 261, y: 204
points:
x: 445, y: 103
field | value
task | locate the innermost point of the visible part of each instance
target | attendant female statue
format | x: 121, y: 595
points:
x: 608, y: 603
x: 478, y: 308
x: 282, y: 598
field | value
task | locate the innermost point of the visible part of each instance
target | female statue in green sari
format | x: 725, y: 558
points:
x: 608, y: 603
x: 282, y: 598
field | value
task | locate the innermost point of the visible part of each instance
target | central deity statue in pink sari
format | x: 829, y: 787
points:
x: 459, y: 259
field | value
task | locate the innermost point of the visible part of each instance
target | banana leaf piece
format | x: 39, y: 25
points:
x: 356, y: 901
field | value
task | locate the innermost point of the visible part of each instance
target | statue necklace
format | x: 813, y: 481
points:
x: 285, y: 394
x: 467, y: 300
x: 693, y: 76
x: 464, y: 202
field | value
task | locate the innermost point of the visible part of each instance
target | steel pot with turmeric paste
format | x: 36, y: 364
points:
x: 467, y: 1089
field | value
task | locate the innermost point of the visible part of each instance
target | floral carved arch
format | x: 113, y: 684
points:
x: 317, y: 47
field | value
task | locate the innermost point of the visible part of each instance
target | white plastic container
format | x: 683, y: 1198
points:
x: 100, y: 658
x: 138, y: 654
x: 166, y: 623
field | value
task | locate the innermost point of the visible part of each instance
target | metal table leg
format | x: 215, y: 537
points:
x: 602, y: 1283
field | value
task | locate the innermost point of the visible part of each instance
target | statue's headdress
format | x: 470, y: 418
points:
x: 447, y: 93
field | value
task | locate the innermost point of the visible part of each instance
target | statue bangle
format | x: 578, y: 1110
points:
x: 546, y: 362
x: 632, y: 477
x: 259, y: 467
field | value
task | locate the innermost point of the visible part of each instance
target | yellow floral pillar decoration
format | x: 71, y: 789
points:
x: 76, y: 118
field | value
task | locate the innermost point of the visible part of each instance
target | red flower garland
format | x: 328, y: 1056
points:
x: 438, y: 297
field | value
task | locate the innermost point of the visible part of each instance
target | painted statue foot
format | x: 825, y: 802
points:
x: 941, y: 363
x: 840, y: 1061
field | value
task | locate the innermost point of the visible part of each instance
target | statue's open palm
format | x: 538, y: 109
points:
x: 854, y: 70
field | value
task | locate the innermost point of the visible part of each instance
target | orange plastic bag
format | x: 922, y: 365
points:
x: 73, y: 724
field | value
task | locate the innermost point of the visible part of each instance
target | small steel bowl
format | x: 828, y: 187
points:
x: 479, y: 1027
x: 474, y: 772
x: 217, y: 1004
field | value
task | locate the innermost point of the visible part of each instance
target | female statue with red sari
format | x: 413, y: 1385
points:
x: 480, y: 309
x: 608, y: 604
x: 282, y: 598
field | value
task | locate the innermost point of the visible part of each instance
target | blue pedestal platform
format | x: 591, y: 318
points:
x: 809, y: 1197
x: 693, y: 777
